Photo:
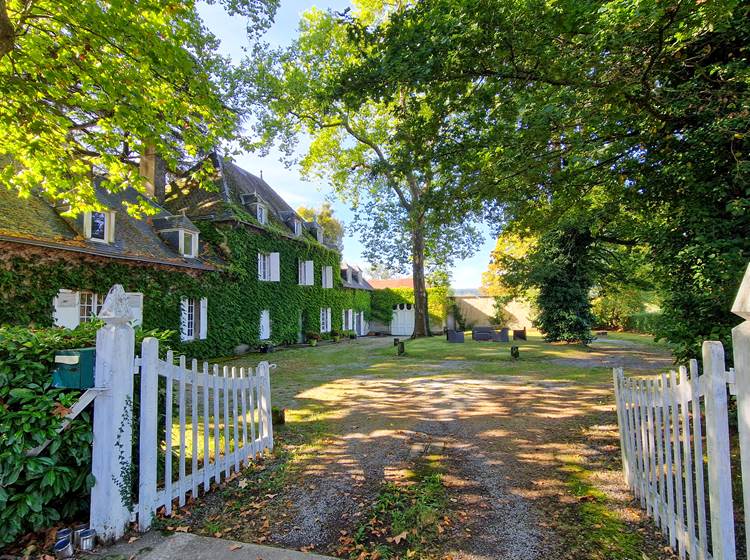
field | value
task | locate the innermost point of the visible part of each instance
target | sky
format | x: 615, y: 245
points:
x: 288, y: 181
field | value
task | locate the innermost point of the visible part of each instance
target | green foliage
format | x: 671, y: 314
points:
x: 613, y: 308
x: 235, y: 297
x: 559, y: 271
x: 382, y: 302
x: 630, y: 114
x: 37, y: 491
x: 644, y: 322
x: 90, y: 84
x: 333, y: 229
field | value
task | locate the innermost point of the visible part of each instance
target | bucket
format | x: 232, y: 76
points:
x: 77, y: 531
x: 63, y: 549
x: 88, y: 540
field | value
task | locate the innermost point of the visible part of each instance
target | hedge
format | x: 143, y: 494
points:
x: 36, y: 492
x: 643, y: 322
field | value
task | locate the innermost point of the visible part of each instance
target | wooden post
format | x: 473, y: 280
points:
x: 111, y: 498
x: 717, y: 442
x: 741, y: 347
x: 147, y: 445
x: 617, y: 374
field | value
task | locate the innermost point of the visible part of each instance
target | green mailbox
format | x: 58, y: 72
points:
x: 74, y: 369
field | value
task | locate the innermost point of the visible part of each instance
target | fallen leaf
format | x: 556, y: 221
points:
x: 131, y: 540
x: 182, y: 529
x: 242, y: 483
x: 235, y: 547
x: 398, y: 538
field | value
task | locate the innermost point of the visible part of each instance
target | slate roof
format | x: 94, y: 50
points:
x: 363, y: 284
x: 35, y: 221
x: 233, y: 187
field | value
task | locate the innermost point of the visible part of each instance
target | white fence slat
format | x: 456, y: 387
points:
x: 243, y: 399
x: 226, y: 421
x: 634, y: 461
x: 217, y: 419
x: 668, y: 450
x: 206, y: 434
x: 194, y: 418
x: 252, y: 403
x: 640, y: 430
x: 268, y: 440
x: 652, y: 495
x: 181, y: 395
x: 168, y: 374
x: 698, y: 460
x: 660, y: 466
x: 617, y: 377
x: 235, y: 412
x: 147, y: 443
x: 717, y: 443
x: 686, y: 444
x: 679, y: 492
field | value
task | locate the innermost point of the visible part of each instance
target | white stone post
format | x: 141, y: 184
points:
x: 111, y: 464
x: 741, y: 348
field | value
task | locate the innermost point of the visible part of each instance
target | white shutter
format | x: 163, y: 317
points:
x: 329, y: 277
x: 275, y: 268
x: 135, y: 301
x: 261, y: 266
x: 111, y: 229
x: 66, y: 313
x: 87, y: 225
x: 265, y: 324
x: 343, y: 319
x: 184, y: 320
x: 203, y: 319
x: 310, y: 273
x: 350, y: 317
x: 300, y: 273
x: 328, y: 318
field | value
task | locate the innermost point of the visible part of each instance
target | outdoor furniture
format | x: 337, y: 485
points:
x: 519, y: 334
x: 482, y: 333
x: 501, y: 335
x: 454, y: 336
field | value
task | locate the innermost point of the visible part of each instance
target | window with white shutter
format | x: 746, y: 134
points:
x: 265, y: 324
x: 193, y: 319
x: 265, y: 266
x: 135, y: 301
x: 325, y: 319
x: 66, y: 304
x: 327, y: 277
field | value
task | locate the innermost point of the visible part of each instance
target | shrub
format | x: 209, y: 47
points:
x: 35, y: 492
x: 643, y: 322
x: 613, y: 308
x: 312, y: 335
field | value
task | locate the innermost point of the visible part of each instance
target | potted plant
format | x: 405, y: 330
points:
x: 335, y: 335
x: 312, y: 337
x: 352, y: 335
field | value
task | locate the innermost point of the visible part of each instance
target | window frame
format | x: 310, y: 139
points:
x: 261, y: 213
x: 94, y: 306
x: 193, y: 249
x: 88, y: 222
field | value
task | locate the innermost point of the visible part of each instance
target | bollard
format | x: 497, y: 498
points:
x: 395, y: 341
x: 514, y: 352
x: 401, y: 349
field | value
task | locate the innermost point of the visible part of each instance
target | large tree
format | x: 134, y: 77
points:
x: 89, y: 85
x: 333, y: 229
x: 364, y: 146
x: 565, y: 109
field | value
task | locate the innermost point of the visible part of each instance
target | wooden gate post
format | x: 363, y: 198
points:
x: 717, y: 443
x: 111, y: 463
x: 741, y: 347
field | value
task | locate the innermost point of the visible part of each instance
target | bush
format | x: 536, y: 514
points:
x: 643, y: 322
x: 36, y: 492
x: 613, y: 308
x: 312, y: 335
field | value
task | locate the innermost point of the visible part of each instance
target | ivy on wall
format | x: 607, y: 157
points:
x: 30, y: 278
x: 384, y: 300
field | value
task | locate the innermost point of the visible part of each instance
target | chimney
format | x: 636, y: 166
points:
x: 154, y: 169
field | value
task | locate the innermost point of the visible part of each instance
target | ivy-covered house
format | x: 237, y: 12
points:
x: 226, y: 269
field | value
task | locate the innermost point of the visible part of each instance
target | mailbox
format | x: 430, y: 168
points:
x: 74, y: 369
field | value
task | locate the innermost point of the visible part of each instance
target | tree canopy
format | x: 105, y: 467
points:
x: 333, y: 229
x: 363, y: 146
x: 633, y: 116
x: 88, y: 85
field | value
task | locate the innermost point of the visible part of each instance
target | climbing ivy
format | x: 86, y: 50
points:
x: 383, y: 301
x: 28, y: 285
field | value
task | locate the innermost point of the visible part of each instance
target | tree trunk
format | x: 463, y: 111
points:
x: 421, y: 317
x: 7, y: 32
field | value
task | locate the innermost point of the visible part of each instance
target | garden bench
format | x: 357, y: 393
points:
x: 482, y: 333
x: 454, y: 336
x: 519, y: 334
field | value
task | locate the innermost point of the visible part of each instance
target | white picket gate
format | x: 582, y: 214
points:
x: 675, y: 444
x: 223, y: 420
x: 231, y: 406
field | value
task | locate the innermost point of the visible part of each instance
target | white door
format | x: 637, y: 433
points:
x: 402, y: 323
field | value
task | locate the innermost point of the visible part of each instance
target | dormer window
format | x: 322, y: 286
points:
x: 99, y: 226
x: 319, y: 234
x: 297, y: 227
x: 261, y: 213
x: 188, y: 243
x: 355, y: 276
